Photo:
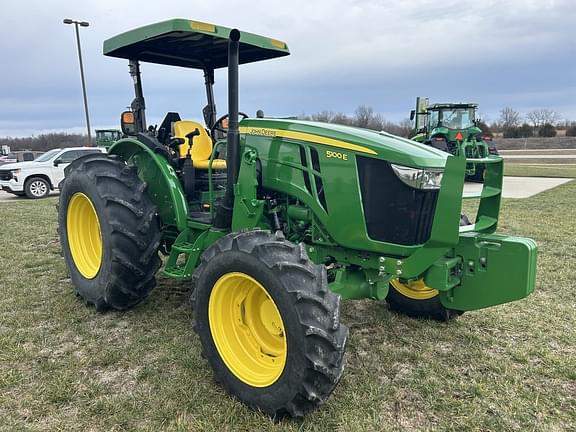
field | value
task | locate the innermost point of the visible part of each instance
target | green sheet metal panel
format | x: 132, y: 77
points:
x: 496, y: 269
x: 162, y: 184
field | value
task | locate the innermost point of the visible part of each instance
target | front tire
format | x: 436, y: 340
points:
x: 109, y: 232
x: 417, y: 300
x: 268, y: 324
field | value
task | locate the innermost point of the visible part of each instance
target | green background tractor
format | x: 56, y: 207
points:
x: 453, y: 128
x: 275, y: 221
x: 106, y: 137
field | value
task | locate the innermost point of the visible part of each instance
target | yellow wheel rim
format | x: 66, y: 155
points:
x: 84, y: 237
x: 417, y: 290
x: 247, y: 329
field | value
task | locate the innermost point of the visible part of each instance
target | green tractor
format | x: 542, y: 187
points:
x: 453, y: 128
x: 274, y: 221
x: 106, y: 137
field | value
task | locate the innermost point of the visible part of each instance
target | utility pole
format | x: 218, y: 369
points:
x: 82, y: 24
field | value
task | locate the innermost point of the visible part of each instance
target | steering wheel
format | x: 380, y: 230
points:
x: 218, y: 126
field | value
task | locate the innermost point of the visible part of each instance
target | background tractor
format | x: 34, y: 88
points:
x: 453, y: 128
x: 106, y: 137
x: 274, y: 221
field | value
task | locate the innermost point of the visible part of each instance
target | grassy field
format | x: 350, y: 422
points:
x: 539, y: 170
x: 64, y: 367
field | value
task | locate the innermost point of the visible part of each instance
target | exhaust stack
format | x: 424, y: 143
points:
x: 224, y: 215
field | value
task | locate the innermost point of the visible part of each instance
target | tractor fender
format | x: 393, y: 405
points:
x: 163, y: 185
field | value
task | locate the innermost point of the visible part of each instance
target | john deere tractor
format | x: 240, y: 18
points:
x: 453, y: 128
x: 274, y: 221
x: 106, y: 137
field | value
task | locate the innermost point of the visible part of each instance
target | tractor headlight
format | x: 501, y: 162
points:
x: 418, y: 178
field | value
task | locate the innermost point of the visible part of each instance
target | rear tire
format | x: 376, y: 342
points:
x: 270, y: 301
x: 109, y: 232
x: 36, y: 188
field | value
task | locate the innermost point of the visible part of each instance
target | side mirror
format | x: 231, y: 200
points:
x: 412, y: 114
x: 56, y: 162
x: 128, y: 123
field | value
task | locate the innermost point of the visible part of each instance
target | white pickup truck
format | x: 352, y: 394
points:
x: 37, y: 178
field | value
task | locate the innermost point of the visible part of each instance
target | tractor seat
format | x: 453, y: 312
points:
x: 202, y: 148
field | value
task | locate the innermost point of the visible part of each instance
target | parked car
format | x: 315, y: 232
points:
x: 37, y: 178
x: 20, y: 156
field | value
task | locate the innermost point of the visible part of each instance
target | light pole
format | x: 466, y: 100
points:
x: 82, y: 24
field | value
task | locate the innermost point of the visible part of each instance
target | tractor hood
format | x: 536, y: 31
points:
x: 340, y: 138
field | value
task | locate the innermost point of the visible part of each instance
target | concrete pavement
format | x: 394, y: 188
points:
x: 522, y: 187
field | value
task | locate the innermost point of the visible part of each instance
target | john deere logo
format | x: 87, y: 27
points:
x: 260, y: 132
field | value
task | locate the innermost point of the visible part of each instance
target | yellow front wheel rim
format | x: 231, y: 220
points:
x: 247, y: 329
x: 417, y: 290
x: 84, y: 236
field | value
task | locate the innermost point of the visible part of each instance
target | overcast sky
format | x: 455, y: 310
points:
x: 344, y: 53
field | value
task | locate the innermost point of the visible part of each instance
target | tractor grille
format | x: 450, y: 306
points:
x: 5, y: 175
x: 394, y: 212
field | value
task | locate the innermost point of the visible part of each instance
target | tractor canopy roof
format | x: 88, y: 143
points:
x: 192, y: 44
x: 438, y: 106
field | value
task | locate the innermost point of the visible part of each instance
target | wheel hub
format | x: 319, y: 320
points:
x: 84, y: 236
x: 417, y: 290
x: 247, y: 329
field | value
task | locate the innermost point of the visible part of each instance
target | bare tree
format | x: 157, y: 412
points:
x: 342, y: 119
x: 509, y: 118
x: 543, y: 116
x: 403, y: 129
x: 363, y: 116
x: 323, y: 116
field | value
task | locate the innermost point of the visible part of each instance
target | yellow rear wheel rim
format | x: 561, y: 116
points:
x: 247, y: 329
x: 417, y: 290
x: 84, y: 236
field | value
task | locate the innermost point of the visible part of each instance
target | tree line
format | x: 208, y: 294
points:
x: 540, y: 122
x: 364, y: 117
x: 45, y: 142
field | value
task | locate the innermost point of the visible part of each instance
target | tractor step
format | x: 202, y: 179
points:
x: 184, y: 247
x: 175, y: 269
x: 182, y: 259
x: 178, y: 272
